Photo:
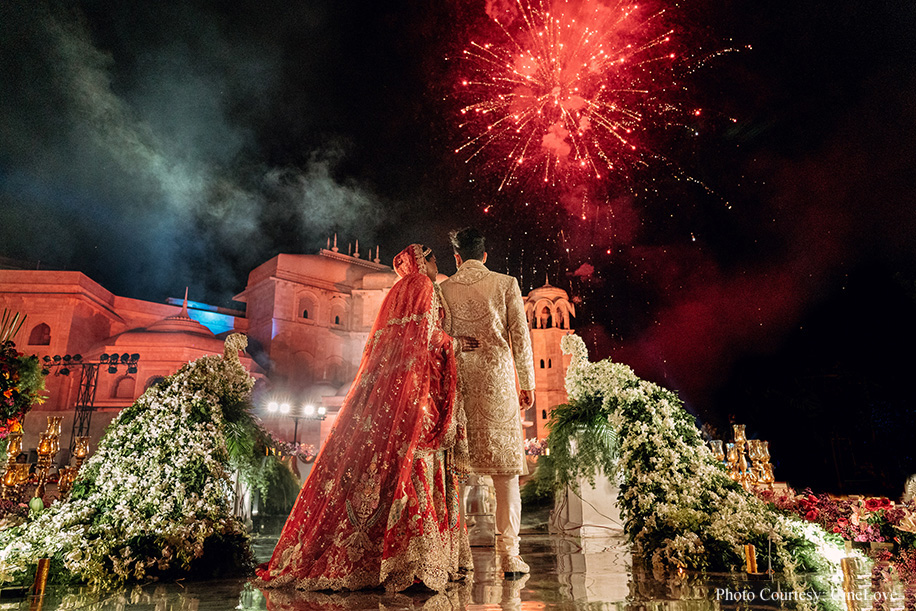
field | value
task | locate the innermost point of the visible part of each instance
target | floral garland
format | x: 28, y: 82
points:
x: 875, y: 519
x: 861, y: 521
x: 21, y: 383
x: 535, y: 446
x: 154, y: 499
x: 681, y: 510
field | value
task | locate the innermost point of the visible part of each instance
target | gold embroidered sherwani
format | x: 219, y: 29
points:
x: 488, y: 306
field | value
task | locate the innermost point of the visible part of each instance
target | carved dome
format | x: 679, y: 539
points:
x: 548, y: 291
x: 549, y: 307
x: 176, y: 331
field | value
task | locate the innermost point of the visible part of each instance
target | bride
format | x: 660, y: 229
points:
x: 380, y: 507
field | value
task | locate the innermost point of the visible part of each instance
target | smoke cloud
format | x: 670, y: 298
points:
x: 147, y: 176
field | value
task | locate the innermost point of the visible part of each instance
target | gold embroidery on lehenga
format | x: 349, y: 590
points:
x: 429, y: 544
x: 366, y: 512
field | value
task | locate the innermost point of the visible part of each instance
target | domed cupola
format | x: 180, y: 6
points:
x: 174, y: 334
x: 549, y: 307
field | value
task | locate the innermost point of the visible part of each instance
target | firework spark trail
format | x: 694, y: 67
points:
x: 575, y: 91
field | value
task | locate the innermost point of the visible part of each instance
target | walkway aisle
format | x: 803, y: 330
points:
x: 566, y: 574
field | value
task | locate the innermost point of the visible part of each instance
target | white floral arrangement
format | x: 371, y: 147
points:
x: 155, y: 498
x: 681, y: 509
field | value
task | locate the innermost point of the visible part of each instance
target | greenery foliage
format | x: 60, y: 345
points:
x: 582, y: 442
x: 10, y: 323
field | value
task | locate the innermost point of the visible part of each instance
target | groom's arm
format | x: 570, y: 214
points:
x: 520, y: 338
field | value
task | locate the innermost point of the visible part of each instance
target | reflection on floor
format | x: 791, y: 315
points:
x: 566, y: 573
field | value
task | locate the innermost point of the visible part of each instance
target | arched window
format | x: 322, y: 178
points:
x: 549, y: 364
x: 308, y: 307
x: 546, y: 318
x: 153, y: 381
x: 544, y: 414
x: 338, y: 313
x: 40, y: 335
x: 542, y: 363
x: 124, y: 388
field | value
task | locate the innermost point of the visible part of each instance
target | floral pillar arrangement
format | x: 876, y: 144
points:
x: 681, y: 509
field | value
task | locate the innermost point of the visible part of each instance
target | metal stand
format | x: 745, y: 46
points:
x: 85, y: 402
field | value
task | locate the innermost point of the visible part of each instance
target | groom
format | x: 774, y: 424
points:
x: 488, y: 306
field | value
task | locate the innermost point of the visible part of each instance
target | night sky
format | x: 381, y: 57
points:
x: 157, y: 145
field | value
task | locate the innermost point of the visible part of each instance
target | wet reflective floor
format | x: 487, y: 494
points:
x: 566, y: 573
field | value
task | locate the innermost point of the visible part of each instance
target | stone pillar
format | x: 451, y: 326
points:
x: 588, y: 511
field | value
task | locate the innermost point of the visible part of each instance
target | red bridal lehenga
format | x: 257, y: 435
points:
x: 380, y: 507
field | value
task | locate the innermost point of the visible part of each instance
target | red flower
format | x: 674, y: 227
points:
x: 842, y: 522
x: 874, y: 504
x: 811, y: 516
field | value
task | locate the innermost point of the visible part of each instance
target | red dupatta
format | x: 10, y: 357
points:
x: 361, y: 517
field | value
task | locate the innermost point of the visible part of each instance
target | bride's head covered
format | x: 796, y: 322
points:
x: 408, y: 365
x: 411, y: 260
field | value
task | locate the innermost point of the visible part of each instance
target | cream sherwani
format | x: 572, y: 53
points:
x: 488, y: 306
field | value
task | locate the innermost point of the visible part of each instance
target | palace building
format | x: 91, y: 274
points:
x: 307, y: 318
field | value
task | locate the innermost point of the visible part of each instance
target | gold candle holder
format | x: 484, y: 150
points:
x: 765, y: 465
x: 45, y: 449
x: 53, y: 429
x: 741, y: 471
x: 41, y: 576
x: 718, y: 451
x: 753, y: 453
x: 750, y: 467
x: 9, y: 479
x: 738, y: 430
x: 732, y: 457
x: 66, y: 479
x: 13, y: 448
x: 23, y: 473
x: 80, y: 451
x: 750, y: 556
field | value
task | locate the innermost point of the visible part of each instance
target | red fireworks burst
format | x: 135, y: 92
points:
x: 574, y: 90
